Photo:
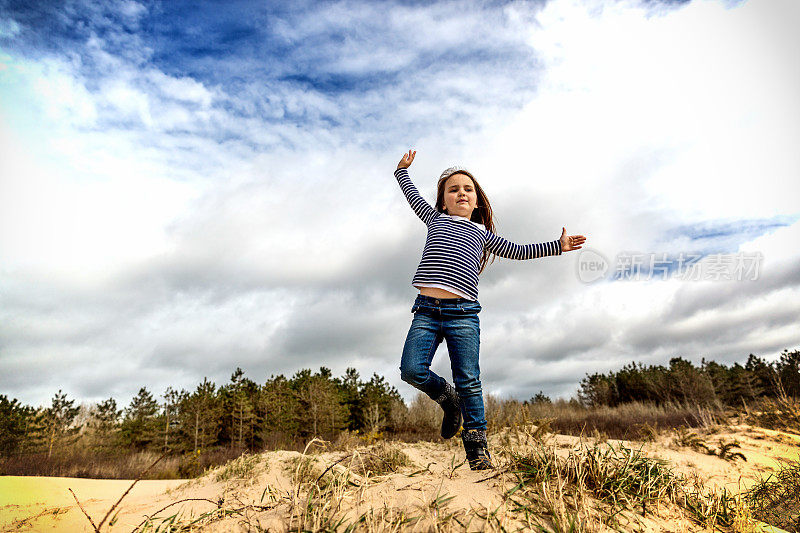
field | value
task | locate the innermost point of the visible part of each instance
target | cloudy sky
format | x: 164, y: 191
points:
x: 188, y: 188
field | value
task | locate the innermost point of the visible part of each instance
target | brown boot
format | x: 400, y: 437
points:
x: 477, y: 449
x: 451, y: 405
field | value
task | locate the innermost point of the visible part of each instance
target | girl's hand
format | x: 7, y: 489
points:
x: 570, y: 242
x: 407, y: 159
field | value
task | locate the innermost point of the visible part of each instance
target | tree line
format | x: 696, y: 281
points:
x: 710, y: 383
x: 286, y: 412
x: 240, y: 414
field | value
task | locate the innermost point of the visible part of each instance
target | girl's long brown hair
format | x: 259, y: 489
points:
x: 482, y: 213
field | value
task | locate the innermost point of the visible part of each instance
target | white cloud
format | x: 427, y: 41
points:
x: 255, y: 238
x: 9, y: 28
x: 80, y: 228
x: 184, y: 88
x: 700, y: 90
x: 132, y: 9
x: 65, y: 99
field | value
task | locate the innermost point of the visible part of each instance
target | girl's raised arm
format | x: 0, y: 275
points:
x: 503, y: 248
x: 423, y: 209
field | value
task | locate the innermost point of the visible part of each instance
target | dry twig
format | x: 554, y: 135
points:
x: 135, y: 481
x: 84, y: 511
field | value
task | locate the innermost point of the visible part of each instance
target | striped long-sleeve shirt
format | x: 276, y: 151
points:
x: 454, y: 246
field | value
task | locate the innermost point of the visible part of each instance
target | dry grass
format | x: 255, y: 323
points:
x: 776, y: 499
x: 689, y: 439
x: 592, y: 486
x: 420, y: 421
x: 780, y: 413
x: 634, y: 421
x: 242, y: 469
x: 84, y: 463
x: 595, y: 484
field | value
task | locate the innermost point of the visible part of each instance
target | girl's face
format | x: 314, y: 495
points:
x: 460, y: 197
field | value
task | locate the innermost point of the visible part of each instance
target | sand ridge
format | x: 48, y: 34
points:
x: 436, y: 472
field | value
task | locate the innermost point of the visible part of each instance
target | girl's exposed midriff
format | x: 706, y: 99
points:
x: 435, y: 292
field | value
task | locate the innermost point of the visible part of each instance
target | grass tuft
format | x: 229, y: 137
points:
x: 243, y: 468
x: 776, y: 499
x: 689, y: 439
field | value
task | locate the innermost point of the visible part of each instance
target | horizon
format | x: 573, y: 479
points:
x: 159, y: 396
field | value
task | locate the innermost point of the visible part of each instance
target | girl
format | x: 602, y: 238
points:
x: 460, y: 239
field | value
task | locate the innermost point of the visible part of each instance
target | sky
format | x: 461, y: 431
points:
x: 191, y: 187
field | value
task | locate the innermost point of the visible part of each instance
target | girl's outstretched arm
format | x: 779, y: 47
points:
x: 504, y: 248
x: 423, y: 209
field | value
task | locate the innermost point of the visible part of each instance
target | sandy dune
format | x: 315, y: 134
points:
x: 436, y: 473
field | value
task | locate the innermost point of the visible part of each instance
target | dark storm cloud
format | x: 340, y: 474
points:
x: 717, y: 339
x: 691, y: 299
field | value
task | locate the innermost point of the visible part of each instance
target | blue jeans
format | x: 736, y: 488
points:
x: 456, y: 321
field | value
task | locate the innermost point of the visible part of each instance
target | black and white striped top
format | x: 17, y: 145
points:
x: 452, y: 254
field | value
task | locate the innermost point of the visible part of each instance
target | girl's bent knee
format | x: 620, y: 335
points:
x: 471, y: 388
x: 413, y: 376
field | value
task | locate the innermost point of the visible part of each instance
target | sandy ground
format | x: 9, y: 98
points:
x: 437, y: 471
x: 45, y: 503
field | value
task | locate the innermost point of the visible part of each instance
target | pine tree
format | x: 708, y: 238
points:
x: 631, y: 385
x: 764, y: 375
x: 539, y: 398
x: 12, y: 425
x: 744, y: 386
x: 58, y: 419
x: 722, y: 380
x: 279, y: 408
x: 376, y: 399
x: 656, y: 384
x: 172, y: 400
x: 36, y: 431
x: 104, y: 421
x: 349, y: 386
x: 688, y: 383
x: 200, y: 414
x: 243, y: 396
x: 598, y: 389
x: 311, y: 393
x: 139, y: 428
x: 320, y: 402
x: 788, y: 370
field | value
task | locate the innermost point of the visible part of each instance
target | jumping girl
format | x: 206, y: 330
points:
x: 459, y: 242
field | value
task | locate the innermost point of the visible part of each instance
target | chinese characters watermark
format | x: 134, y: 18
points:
x: 641, y: 266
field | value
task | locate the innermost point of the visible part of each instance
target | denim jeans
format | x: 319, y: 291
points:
x: 456, y: 321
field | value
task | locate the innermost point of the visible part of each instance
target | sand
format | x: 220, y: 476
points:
x: 436, y: 471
